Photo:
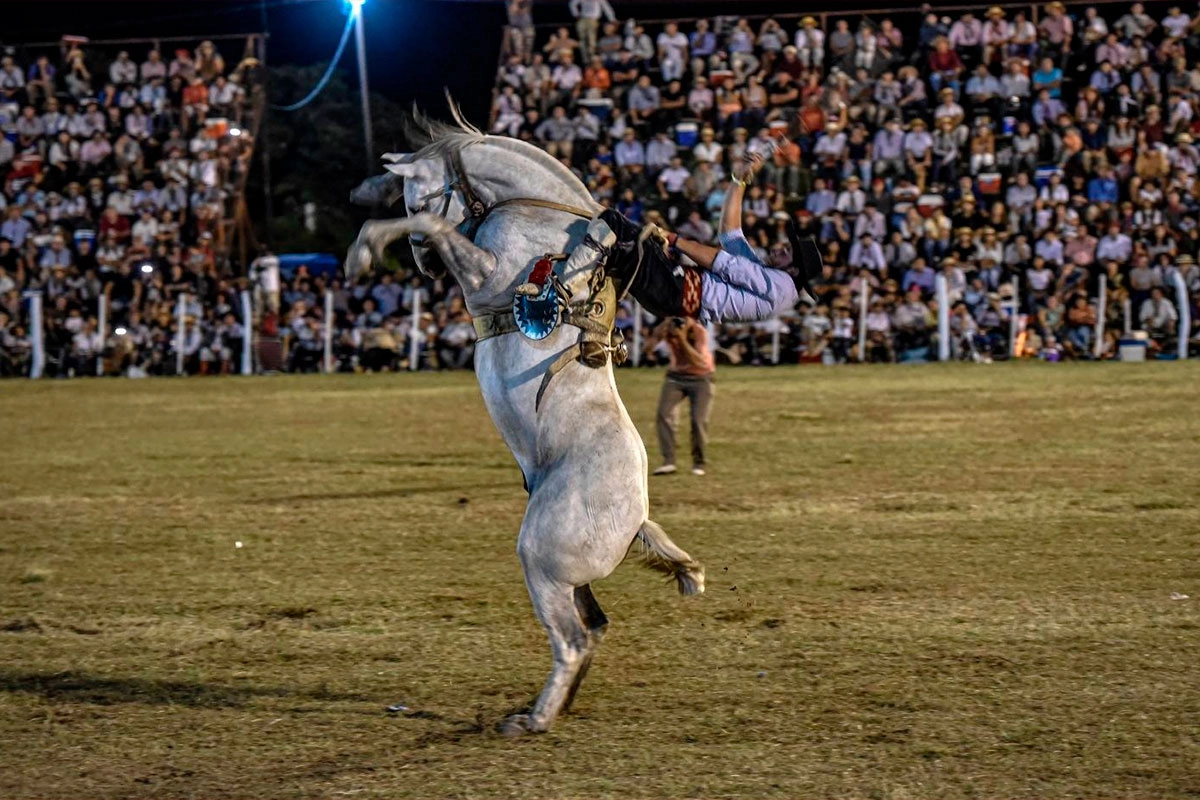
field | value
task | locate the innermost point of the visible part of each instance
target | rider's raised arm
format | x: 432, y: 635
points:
x: 731, y: 210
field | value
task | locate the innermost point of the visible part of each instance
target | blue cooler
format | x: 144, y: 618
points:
x: 1041, y: 176
x: 687, y: 134
x: 601, y: 107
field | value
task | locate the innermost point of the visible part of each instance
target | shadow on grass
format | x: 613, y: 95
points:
x: 75, y: 687
x: 373, y: 494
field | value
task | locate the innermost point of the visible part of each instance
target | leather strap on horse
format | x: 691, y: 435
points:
x: 478, y: 212
x: 595, y: 328
x: 500, y: 323
x: 497, y: 324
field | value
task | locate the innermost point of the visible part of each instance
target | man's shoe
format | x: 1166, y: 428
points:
x: 698, y: 471
x: 665, y: 469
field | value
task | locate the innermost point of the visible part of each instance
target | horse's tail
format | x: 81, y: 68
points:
x: 663, y: 555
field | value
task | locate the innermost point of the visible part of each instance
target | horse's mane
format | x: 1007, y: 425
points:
x: 433, y: 139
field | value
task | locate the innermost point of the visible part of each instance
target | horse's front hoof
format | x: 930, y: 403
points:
x: 517, y: 725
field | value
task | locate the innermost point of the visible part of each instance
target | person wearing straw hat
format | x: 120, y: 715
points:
x: 1056, y: 29
x: 918, y: 150
x: 810, y: 43
x: 997, y: 33
x: 1189, y: 270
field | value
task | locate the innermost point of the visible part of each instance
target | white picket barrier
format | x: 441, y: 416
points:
x: 328, y: 331
x: 1185, y: 312
x: 1101, y: 311
x: 414, y: 333
x: 37, y: 340
x: 101, y: 332
x: 180, y: 332
x: 864, y: 301
x: 1013, y: 313
x: 942, y: 287
x: 247, y: 334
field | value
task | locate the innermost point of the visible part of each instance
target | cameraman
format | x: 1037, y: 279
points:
x: 690, y: 375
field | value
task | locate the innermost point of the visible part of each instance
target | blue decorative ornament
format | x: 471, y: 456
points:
x: 537, y: 316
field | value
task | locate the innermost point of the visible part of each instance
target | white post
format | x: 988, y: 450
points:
x: 102, y: 332
x: 864, y: 299
x: 180, y: 337
x: 1101, y: 311
x: 1185, y: 313
x: 247, y: 334
x: 943, y: 299
x: 637, y: 334
x: 777, y: 324
x: 1012, y: 317
x: 37, y: 342
x: 328, y: 331
x: 414, y: 346
x: 1128, y: 310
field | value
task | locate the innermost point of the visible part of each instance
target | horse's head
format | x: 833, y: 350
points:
x: 456, y: 178
x: 428, y: 188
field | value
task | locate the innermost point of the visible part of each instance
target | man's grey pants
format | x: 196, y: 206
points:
x: 700, y: 392
x: 587, y: 30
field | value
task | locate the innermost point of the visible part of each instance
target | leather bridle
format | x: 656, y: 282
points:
x: 477, y: 210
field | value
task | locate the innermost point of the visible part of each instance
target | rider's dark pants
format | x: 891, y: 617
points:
x: 659, y: 284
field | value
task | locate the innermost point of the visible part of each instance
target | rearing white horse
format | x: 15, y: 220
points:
x: 489, y: 208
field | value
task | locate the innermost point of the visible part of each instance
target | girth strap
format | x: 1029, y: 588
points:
x: 591, y: 330
x: 496, y: 324
x: 499, y: 323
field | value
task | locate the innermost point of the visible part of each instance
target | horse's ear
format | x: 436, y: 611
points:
x: 403, y: 169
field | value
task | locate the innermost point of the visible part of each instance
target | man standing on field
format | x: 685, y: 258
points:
x: 689, y: 375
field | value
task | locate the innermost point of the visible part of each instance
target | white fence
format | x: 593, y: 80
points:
x: 941, y: 289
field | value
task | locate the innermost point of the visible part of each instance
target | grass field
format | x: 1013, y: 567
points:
x: 923, y: 583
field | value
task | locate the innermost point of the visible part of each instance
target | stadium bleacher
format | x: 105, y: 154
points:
x: 123, y: 166
x: 900, y: 142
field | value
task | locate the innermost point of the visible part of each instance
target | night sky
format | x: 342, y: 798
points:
x: 414, y: 47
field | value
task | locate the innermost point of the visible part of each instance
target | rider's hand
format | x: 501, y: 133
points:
x: 751, y: 166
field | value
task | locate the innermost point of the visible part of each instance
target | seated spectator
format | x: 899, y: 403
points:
x: 1157, y: 315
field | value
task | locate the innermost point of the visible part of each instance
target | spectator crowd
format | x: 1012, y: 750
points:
x: 1050, y: 144
x: 119, y: 169
x: 1021, y: 153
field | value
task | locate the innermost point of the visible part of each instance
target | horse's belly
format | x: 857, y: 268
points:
x: 581, y: 424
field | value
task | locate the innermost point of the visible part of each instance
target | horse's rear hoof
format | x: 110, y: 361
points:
x: 517, y: 725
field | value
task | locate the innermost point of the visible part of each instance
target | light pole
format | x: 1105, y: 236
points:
x: 356, y: 8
